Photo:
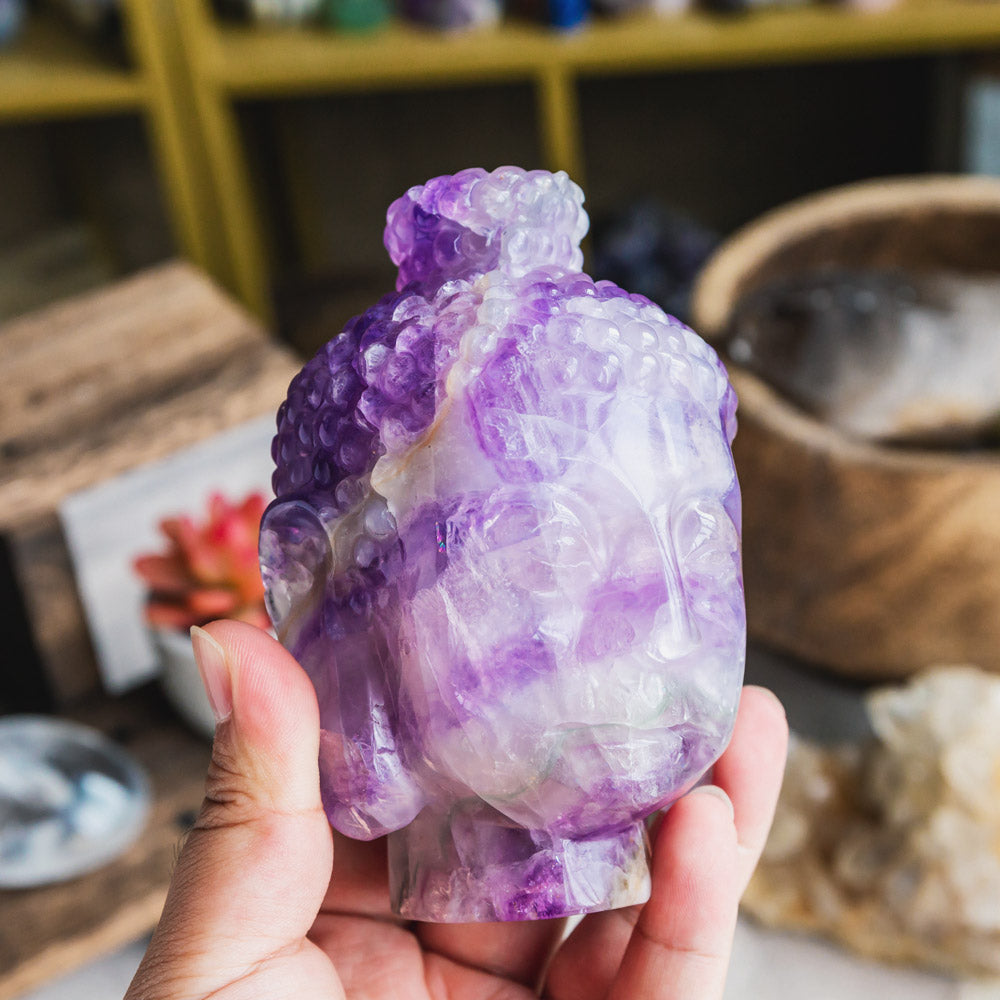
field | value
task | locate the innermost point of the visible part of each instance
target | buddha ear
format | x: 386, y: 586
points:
x: 295, y: 560
x: 367, y: 790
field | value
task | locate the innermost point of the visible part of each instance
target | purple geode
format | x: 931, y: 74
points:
x: 505, y: 548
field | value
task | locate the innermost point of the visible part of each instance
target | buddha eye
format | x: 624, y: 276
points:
x: 704, y: 536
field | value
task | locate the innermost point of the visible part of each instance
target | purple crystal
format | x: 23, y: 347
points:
x: 505, y: 548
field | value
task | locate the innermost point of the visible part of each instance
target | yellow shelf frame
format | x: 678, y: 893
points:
x: 191, y: 70
x: 50, y: 72
x: 261, y: 61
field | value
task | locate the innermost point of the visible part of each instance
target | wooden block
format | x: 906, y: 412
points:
x: 96, y: 386
x: 48, y: 931
x: 44, y: 573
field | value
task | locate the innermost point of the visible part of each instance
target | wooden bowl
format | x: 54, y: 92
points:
x: 872, y: 560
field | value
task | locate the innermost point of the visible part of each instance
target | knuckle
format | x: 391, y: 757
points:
x: 229, y: 796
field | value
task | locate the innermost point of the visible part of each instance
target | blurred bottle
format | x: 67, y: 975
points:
x: 453, y: 15
x: 870, y: 6
x: 747, y: 6
x: 233, y: 10
x: 563, y: 15
x: 11, y: 20
x: 99, y: 19
x: 284, y: 11
x: 356, y: 15
x: 567, y: 14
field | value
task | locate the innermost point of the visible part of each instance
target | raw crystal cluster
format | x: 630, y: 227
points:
x: 894, y: 847
x: 505, y: 548
x: 880, y: 354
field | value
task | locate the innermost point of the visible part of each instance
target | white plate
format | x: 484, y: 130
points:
x: 70, y: 800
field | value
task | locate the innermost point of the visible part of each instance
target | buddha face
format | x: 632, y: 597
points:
x: 573, y: 669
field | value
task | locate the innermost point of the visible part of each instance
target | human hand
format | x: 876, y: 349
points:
x: 253, y: 911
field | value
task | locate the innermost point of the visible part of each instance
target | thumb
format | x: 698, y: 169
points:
x: 255, y: 867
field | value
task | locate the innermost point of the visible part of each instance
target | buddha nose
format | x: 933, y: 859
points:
x: 675, y: 631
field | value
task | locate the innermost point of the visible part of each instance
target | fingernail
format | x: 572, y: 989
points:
x: 211, y: 660
x: 717, y: 793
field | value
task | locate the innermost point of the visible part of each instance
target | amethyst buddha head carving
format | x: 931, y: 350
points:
x: 505, y: 548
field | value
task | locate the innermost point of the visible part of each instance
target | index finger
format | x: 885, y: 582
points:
x: 750, y: 772
x: 705, y: 852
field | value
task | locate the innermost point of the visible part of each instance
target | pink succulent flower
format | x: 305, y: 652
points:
x: 209, y: 570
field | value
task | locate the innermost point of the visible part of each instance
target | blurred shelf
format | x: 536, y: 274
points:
x: 188, y: 69
x: 264, y: 61
x: 51, y: 72
x: 229, y: 62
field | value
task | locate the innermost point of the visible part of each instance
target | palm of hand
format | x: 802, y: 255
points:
x: 367, y: 952
x: 378, y: 955
x: 253, y: 913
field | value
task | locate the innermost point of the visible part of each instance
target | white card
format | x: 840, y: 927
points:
x: 108, y: 525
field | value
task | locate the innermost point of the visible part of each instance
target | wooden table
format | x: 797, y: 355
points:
x: 92, y: 387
